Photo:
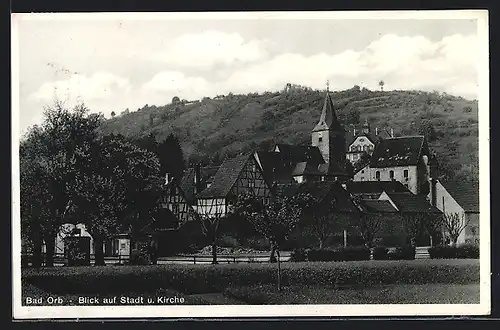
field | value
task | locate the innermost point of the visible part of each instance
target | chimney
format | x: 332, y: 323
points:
x: 197, y: 178
x: 167, y: 178
x: 392, y: 132
x: 354, y: 132
x: 376, y: 131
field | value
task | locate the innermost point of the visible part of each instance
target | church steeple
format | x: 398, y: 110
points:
x: 328, y: 135
x: 328, y: 119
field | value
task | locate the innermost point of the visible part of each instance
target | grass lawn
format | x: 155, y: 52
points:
x: 380, y: 294
x: 204, y: 284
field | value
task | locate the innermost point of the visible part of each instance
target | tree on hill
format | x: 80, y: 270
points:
x: 381, y: 84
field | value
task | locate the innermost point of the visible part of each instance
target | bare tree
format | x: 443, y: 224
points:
x: 454, y: 224
x: 275, y: 220
x: 368, y: 226
x: 210, y: 219
x: 381, y: 83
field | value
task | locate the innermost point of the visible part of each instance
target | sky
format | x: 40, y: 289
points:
x: 119, y: 63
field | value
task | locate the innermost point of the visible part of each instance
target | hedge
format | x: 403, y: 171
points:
x: 342, y: 254
x: 380, y: 253
x: 190, y: 279
x: 465, y: 251
x: 402, y: 253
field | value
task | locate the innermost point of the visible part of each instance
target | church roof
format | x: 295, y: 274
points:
x: 466, y: 194
x: 376, y: 187
x: 274, y: 167
x: 328, y: 119
x: 298, y: 153
x: 399, y: 151
x: 225, y: 178
x: 410, y: 203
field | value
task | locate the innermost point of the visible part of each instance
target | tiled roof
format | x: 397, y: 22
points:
x: 296, y: 153
x: 187, y: 183
x: 226, y: 176
x: 323, y: 190
x: 328, y: 119
x: 372, y: 187
x: 400, y: 151
x: 306, y: 168
x: 275, y: 168
x: 466, y: 194
x: 410, y: 203
x: 378, y: 206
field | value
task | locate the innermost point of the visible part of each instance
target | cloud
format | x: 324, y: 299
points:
x: 99, y: 86
x: 207, y: 49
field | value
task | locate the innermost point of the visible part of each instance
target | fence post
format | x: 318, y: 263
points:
x: 194, y: 259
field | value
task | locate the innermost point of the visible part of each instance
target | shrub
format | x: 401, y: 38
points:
x: 380, y: 253
x: 342, y: 254
x: 454, y: 252
x: 197, y: 278
x: 139, y: 257
x: 402, y: 253
x: 298, y: 255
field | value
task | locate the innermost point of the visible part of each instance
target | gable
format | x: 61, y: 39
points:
x: 251, y: 180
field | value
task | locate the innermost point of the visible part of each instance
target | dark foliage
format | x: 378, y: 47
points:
x: 342, y: 254
x: 402, y: 253
x: 454, y: 252
x: 380, y: 253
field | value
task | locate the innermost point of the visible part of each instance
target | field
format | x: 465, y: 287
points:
x: 362, y: 282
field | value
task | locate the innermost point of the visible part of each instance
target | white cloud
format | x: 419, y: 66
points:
x: 99, y: 86
x: 209, y: 48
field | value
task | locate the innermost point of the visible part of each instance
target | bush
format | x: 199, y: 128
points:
x: 139, y: 257
x: 380, y: 253
x: 402, y: 253
x: 298, y: 255
x: 465, y: 251
x: 342, y: 254
x: 191, y: 279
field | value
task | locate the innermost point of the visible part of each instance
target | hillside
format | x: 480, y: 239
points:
x: 211, y: 129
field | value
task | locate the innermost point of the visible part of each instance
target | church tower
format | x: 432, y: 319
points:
x: 329, y: 136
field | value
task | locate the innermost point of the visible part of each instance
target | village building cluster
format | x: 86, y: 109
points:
x: 389, y: 176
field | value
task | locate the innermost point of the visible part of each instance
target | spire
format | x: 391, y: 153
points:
x: 328, y: 119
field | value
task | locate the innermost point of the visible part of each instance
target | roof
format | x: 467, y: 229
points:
x: 466, y: 194
x: 297, y: 153
x: 378, y: 206
x: 306, y: 168
x: 410, y: 203
x: 274, y: 167
x: 323, y: 190
x: 328, y: 119
x: 226, y: 176
x: 399, y: 151
x: 376, y: 187
x: 187, y: 183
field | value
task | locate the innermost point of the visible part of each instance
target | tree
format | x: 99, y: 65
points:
x: 454, y: 224
x: 368, y: 225
x: 119, y: 189
x: 113, y: 114
x: 51, y: 150
x: 381, y: 84
x: 171, y: 156
x: 416, y: 224
x: 210, y: 221
x: 275, y: 220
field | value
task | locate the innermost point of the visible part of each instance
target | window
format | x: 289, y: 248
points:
x: 320, y: 139
x: 405, y: 173
x: 362, y: 178
x: 363, y: 172
x: 377, y: 175
x: 391, y: 174
x: 361, y: 140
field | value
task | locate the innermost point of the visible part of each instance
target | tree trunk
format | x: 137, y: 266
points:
x: 214, y: 251
x: 37, y: 252
x: 279, y: 269
x: 272, y: 257
x: 98, y: 252
x: 321, y: 244
x: 49, y: 250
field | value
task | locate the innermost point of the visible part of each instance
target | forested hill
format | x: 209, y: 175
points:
x: 210, y: 129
